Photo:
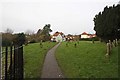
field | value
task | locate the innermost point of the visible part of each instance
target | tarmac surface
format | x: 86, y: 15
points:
x: 50, y: 66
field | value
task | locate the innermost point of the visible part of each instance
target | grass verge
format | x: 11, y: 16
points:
x: 87, y: 60
x: 34, y: 57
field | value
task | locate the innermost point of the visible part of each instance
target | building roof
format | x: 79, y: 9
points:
x: 57, y: 33
x: 91, y: 35
x: 84, y: 33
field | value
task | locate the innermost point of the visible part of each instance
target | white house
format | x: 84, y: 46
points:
x: 86, y: 35
x: 58, y: 37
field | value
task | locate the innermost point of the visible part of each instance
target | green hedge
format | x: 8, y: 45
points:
x: 90, y: 39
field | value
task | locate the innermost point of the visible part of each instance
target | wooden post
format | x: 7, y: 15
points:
x: 66, y: 44
x: 20, y: 62
x: 0, y: 60
x: 6, y: 63
x: 14, y: 63
x: 93, y: 40
x: 11, y: 64
x: 75, y: 45
x: 41, y: 45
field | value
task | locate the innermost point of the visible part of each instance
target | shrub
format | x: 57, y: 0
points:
x: 90, y: 39
x: 32, y: 41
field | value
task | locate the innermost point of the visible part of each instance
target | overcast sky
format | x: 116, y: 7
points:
x: 67, y: 16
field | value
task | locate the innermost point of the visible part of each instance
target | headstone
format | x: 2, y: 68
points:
x: 116, y: 42
x: 113, y: 45
x: 108, y: 49
x: 110, y: 45
x: 93, y: 41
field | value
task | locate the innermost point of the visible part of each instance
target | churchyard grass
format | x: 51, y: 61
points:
x: 34, y: 57
x: 87, y: 60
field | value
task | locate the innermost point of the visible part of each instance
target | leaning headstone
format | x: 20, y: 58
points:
x: 110, y: 45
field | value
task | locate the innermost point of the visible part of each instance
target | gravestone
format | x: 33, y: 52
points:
x: 93, y: 41
x: 110, y: 45
x: 116, y: 42
x: 108, y: 49
x: 113, y: 45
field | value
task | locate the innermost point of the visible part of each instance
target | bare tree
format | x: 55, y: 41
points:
x: 29, y: 32
x: 8, y: 30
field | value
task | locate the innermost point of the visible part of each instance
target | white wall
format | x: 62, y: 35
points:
x: 59, y: 38
x: 84, y: 36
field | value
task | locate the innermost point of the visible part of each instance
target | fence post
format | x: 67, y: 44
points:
x: 15, y: 68
x: 14, y: 63
x: 6, y: 62
x: 0, y: 62
x: 10, y: 68
x: 20, y: 62
x: 17, y: 62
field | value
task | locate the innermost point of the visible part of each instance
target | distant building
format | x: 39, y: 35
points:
x: 58, y: 37
x: 69, y: 37
x: 86, y: 35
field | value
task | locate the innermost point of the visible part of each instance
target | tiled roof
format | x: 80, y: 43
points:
x: 84, y: 33
x: 57, y: 33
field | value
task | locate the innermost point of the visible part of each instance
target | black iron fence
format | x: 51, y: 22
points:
x: 12, y: 63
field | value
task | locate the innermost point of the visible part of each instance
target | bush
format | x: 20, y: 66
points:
x: 32, y: 41
x: 90, y: 39
x: 19, y: 39
x: 6, y: 42
x: 7, y: 39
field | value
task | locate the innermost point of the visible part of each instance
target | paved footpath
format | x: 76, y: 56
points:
x: 50, y: 66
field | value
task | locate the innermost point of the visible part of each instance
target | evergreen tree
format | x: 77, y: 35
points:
x: 107, y: 23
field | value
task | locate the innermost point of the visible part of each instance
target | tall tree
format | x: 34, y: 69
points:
x: 44, y: 34
x: 107, y: 23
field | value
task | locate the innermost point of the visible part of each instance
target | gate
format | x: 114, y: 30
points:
x: 12, y: 63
